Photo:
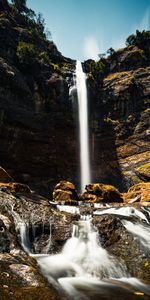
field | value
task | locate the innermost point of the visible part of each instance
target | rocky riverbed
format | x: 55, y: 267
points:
x: 47, y: 229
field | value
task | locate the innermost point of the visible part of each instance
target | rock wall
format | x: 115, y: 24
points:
x: 120, y: 136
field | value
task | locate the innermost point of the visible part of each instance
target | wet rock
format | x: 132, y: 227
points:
x: 20, y: 277
x: 109, y: 228
x: 123, y: 245
x: 99, y: 192
x: 65, y: 191
x: 47, y: 229
x: 4, y: 238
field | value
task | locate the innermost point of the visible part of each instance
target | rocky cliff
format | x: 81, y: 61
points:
x: 38, y: 123
x: 120, y: 135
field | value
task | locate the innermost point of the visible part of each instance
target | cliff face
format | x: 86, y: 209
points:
x: 121, y: 135
x: 38, y: 123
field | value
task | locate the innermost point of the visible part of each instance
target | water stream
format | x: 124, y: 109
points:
x: 83, y: 126
x: 84, y: 269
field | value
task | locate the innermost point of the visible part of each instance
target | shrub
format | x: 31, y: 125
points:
x: 44, y: 57
x: 26, y: 54
x: 140, y: 39
x: 97, y: 69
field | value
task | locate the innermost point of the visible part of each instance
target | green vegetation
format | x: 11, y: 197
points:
x: 27, y: 18
x: 96, y: 69
x: 44, y: 57
x: 140, y: 39
x: 31, y: 42
x: 145, y: 168
x: 20, y: 5
x: 26, y: 54
x: 111, y: 52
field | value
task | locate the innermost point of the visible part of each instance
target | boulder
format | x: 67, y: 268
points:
x: 14, y: 187
x: 65, y: 185
x: 89, y: 197
x: 98, y: 192
x: 4, y: 176
x: 62, y: 195
x: 4, y: 238
x: 122, y: 244
x: 65, y: 191
x: 138, y: 193
x: 143, y: 172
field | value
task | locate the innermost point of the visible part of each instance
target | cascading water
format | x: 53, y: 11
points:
x: 83, y: 126
x: 23, y: 230
x: 83, y: 268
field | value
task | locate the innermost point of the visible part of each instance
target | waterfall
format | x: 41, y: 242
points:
x: 141, y: 231
x: 123, y: 211
x: 82, y: 257
x: 84, y: 267
x: 23, y: 229
x: 83, y: 126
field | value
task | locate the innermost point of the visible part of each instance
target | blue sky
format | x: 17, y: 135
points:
x: 83, y: 28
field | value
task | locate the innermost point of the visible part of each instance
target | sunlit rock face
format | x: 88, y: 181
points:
x: 120, y: 126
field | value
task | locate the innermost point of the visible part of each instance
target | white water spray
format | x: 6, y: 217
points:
x: 83, y: 266
x: 141, y: 231
x: 83, y: 126
x: 123, y: 211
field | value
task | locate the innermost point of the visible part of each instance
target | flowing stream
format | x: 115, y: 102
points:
x: 84, y: 269
x: 83, y: 126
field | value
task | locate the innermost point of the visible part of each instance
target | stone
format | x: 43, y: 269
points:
x: 4, y: 238
x: 138, y: 193
x: 65, y: 185
x: 102, y: 193
x: 89, y: 197
x: 143, y: 172
x: 62, y: 195
x: 122, y: 244
x: 4, y: 176
x: 38, y: 214
x: 15, y: 187
x: 65, y: 191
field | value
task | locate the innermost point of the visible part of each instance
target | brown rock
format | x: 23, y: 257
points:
x: 4, y: 176
x: 15, y: 187
x: 103, y: 193
x: 62, y: 195
x: 138, y: 193
x: 65, y: 185
x: 65, y: 191
x: 89, y: 197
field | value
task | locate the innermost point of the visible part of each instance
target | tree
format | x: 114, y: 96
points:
x: 131, y: 40
x: 40, y: 25
x: 4, y: 6
x: 26, y: 54
x: 101, y: 55
x: 20, y: 5
x: 111, y: 51
x: 48, y: 34
x: 140, y: 39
